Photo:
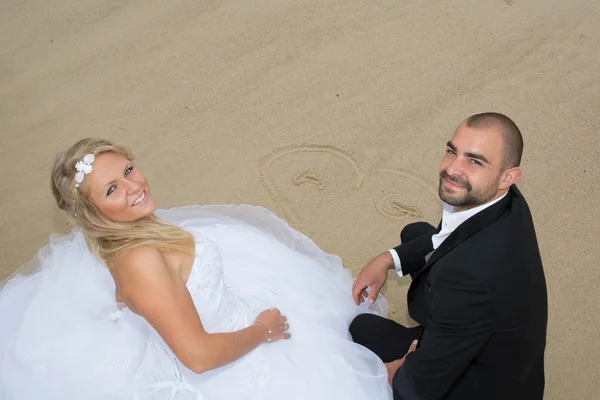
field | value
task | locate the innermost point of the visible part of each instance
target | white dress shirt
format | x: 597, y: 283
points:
x: 450, y: 221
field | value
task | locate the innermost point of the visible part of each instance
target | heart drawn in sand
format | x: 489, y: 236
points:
x: 324, y: 192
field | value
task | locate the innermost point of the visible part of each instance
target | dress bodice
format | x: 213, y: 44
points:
x: 218, y: 308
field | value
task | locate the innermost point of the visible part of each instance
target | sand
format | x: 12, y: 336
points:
x: 333, y: 114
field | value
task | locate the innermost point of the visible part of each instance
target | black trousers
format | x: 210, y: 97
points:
x: 384, y: 337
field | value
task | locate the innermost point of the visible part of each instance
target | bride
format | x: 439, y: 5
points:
x: 138, y: 303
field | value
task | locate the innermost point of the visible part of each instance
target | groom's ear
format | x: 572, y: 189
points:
x: 510, y: 177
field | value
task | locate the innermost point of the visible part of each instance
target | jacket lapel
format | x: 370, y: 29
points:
x: 468, y: 228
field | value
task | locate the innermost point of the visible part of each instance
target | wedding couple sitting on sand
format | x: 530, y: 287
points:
x: 230, y: 302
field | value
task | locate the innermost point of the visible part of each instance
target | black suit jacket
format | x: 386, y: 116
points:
x: 482, y: 300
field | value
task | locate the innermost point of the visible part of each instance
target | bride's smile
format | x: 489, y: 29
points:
x: 119, y: 189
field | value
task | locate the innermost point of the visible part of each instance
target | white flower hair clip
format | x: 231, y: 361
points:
x: 83, y: 168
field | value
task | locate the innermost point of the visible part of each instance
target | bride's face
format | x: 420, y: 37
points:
x: 118, y: 189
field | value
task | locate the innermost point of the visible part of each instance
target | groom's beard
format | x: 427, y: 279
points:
x: 464, y: 197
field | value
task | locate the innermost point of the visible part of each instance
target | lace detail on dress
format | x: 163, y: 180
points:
x: 38, y: 367
x: 219, y: 309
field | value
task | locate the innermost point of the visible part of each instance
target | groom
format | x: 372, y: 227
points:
x: 478, y: 289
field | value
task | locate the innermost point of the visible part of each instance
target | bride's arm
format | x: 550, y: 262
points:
x: 159, y: 294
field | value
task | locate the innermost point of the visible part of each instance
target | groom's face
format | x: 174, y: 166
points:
x: 471, y: 169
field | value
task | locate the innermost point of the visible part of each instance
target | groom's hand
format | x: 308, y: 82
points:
x: 373, y: 275
x: 394, y: 366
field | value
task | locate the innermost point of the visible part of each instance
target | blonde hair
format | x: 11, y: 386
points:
x: 105, y: 238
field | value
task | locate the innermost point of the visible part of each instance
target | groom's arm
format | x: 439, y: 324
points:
x: 409, y: 257
x: 460, y: 323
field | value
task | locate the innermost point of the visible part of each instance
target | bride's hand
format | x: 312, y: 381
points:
x: 274, y: 324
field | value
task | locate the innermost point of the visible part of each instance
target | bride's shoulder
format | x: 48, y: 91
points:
x: 143, y: 273
x: 136, y: 254
x: 142, y: 262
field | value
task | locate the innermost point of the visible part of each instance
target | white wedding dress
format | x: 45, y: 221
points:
x: 63, y: 336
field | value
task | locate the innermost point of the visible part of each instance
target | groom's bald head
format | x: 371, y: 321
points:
x: 511, y: 135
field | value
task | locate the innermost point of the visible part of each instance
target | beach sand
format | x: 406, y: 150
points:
x: 333, y: 114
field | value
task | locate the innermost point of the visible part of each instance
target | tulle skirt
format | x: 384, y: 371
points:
x: 63, y: 336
